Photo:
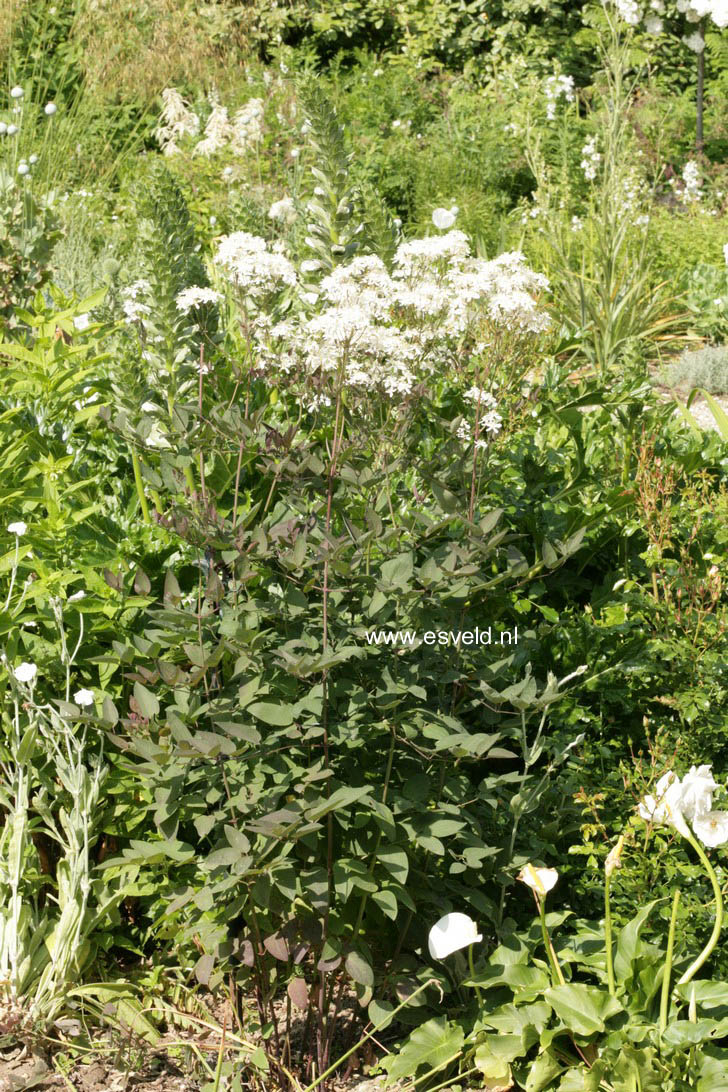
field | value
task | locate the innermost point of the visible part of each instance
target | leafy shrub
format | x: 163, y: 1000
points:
x: 29, y: 229
x: 707, y: 368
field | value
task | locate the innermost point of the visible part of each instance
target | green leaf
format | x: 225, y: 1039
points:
x: 278, y: 715
x: 147, y: 702
x: 583, y: 1009
x: 629, y: 943
x: 359, y: 969
x: 432, y: 1046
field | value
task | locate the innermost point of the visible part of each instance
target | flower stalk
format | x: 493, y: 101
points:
x: 667, y: 973
x: 717, y: 925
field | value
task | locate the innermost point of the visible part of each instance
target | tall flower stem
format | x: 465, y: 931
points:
x: 698, y: 963
x: 667, y: 973
x: 556, y: 973
x: 608, y: 936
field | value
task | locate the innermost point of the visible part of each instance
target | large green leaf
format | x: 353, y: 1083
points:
x: 583, y: 1009
x: 629, y: 943
x: 430, y: 1046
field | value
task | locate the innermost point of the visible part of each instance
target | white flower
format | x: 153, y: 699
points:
x: 451, y: 933
x: 540, y: 880
x: 195, y: 297
x: 295, y: 152
x: 26, y: 672
x: 667, y: 800
x: 12, y: 130
x: 654, y: 24
x: 284, y: 210
x: 81, y: 322
x: 18, y: 528
x: 80, y: 594
x: 712, y: 828
x: 23, y: 169
x: 591, y: 159
x: 84, y: 697
x: 698, y: 787
x: 50, y: 109
x: 691, y: 179
x: 310, y: 265
x: 695, y: 41
x: 32, y: 159
x: 16, y: 93
x: 629, y: 11
x: 443, y: 219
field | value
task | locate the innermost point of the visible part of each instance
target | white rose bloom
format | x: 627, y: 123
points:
x: 540, y: 880
x: 698, y: 787
x: 451, y: 933
x: 18, y: 528
x: 84, y: 697
x: 26, y: 672
x: 712, y: 828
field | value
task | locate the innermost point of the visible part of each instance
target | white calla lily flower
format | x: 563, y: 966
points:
x: 451, y: 933
x: 540, y: 880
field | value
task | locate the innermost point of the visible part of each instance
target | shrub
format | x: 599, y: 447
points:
x: 706, y: 368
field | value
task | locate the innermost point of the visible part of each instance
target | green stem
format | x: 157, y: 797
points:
x: 139, y: 481
x: 608, y: 937
x: 472, y: 975
x: 667, y: 973
x: 556, y: 975
x: 698, y: 963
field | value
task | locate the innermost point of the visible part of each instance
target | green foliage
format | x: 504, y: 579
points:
x: 706, y: 368
x: 28, y: 232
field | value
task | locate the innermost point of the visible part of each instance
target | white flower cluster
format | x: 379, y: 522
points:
x: 677, y: 803
x: 591, y: 159
x: 251, y: 266
x: 692, y: 191
x: 558, y: 87
x: 218, y: 131
x: 134, y: 307
x: 389, y: 330
x: 247, y: 126
x: 176, y: 121
x: 194, y: 296
x: 634, y: 11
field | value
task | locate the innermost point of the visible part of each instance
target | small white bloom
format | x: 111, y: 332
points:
x: 295, y: 152
x: 540, y: 880
x: 84, y: 697
x: 32, y: 159
x: 12, y: 130
x: 18, y: 528
x: 451, y: 933
x: 82, y: 322
x: 80, y: 594
x: 712, y: 828
x: 26, y: 672
x: 443, y: 219
x: 16, y: 93
x: 23, y: 169
x: 50, y: 109
x: 695, y: 41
